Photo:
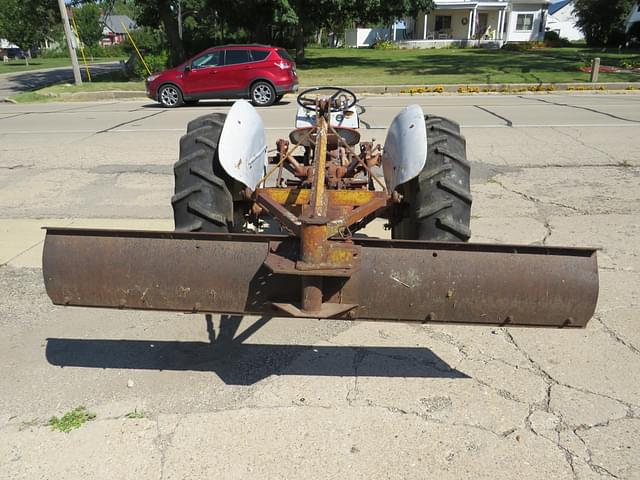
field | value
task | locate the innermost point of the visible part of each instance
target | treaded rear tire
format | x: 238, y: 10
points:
x: 202, y: 200
x: 438, y: 201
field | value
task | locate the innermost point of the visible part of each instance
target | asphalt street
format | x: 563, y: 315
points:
x: 230, y: 397
x: 12, y: 83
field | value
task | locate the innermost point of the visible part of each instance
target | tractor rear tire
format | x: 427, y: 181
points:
x: 203, y: 201
x: 438, y: 201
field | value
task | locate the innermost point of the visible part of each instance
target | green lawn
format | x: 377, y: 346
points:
x: 444, y: 66
x: 38, y: 63
x: 346, y: 67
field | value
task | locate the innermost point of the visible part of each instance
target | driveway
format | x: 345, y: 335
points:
x: 12, y: 83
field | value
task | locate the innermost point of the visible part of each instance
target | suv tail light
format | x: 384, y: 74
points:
x: 283, y: 65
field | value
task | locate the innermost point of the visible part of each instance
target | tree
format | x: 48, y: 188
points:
x: 124, y: 7
x: 87, y: 19
x: 156, y: 12
x: 27, y: 22
x: 602, y: 21
x: 286, y: 22
x: 301, y: 18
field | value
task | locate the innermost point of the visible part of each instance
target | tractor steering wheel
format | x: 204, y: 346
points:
x: 340, y: 100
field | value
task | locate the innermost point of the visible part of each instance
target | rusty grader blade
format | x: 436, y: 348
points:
x: 409, y: 281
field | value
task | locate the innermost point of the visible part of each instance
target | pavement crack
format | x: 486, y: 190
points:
x: 614, y: 335
x: 426, y: 418
x: 588, y: 109
x: 352, y: 393
x: 164, y: 442
x: 507, y: 122
x: 16, y: 166
x: 591, y: 146
x: 599, y: 469
x: 547, y: 225
x: 128, y: 122
x: 546, y: 407
x: 536, y: 200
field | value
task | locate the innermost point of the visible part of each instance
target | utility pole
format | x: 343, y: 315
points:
x: 72, y: 51
x: 180, y: 19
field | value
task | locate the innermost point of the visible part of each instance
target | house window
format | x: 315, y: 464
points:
x: 443, y: 22
x: 524, y: 22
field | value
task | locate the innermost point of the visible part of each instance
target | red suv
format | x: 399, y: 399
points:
x: 260, y: 73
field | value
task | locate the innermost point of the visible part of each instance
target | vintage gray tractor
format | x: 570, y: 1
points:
x: 321, y: 188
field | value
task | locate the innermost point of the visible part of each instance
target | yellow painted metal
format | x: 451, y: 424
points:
x: 136, y: 47
x: 318, y: 205
x: 84, y: 58
x: 301, y: 196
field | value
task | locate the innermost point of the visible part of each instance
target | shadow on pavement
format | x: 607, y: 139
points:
x: 238, y: 363
x: 32, y: 80
x: 208, y: 104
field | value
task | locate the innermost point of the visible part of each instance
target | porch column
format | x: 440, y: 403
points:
x: 470, y: 29
x: 499, y: 30
x: 424, y: 29
x: 473, y: 24
x: 393, y: 28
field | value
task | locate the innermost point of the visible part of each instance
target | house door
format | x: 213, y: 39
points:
x: 483, y: 23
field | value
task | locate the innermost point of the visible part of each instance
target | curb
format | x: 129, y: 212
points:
x: 495, y: 88
x: 103, y: 95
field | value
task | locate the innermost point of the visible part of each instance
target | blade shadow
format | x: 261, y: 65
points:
x: 238, y: 363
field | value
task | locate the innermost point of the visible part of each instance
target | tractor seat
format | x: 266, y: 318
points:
x: 350, y: 136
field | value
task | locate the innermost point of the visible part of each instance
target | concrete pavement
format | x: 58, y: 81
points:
x: 325, y: 399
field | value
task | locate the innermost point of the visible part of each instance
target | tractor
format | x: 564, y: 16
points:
x: 282, y: 235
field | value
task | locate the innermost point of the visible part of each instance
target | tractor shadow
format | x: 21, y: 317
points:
x: 239, y: 363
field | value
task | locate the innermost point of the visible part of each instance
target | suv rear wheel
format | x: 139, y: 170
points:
x: 262, y: 94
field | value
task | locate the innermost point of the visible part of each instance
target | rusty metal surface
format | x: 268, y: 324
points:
x: 397, y: 280
x: 301, y: 196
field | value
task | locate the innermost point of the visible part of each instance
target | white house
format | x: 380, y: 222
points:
x: 464, y: 23
x: 562, y: 19
x: 5, y: 44
x: 634, y: 15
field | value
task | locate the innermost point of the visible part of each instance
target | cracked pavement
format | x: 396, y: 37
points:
x: 229, y: 397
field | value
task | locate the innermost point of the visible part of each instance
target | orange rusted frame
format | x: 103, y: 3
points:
x: 378, y: 201
x: 284, y: 216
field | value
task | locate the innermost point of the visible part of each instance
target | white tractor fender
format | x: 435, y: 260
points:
x: 242, y: 148
x: 405, y: 147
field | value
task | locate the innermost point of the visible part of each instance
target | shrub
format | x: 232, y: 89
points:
x: 98, y: 51
x: 554, y: 40
x: 148, y: 40
x: 518, y: 47
x: 155, y: 62
x: 385, y: 45
x: 54, y: 53
x: 629, y: 63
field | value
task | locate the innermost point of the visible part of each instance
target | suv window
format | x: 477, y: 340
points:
x: 234, y: 57
x: 211, y: 59
x: 259, y: 55
x: 284, y: 55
